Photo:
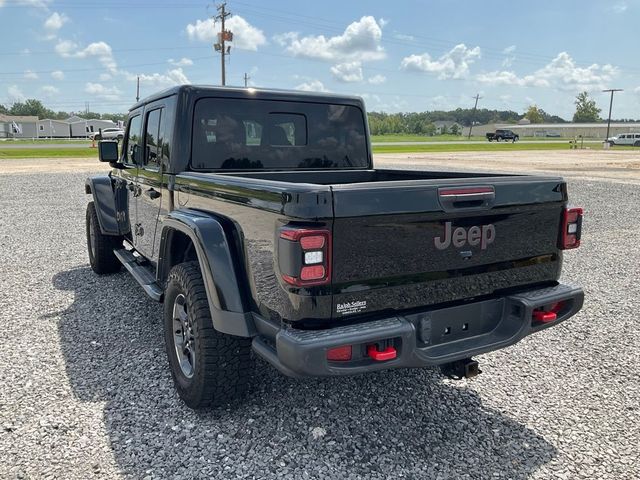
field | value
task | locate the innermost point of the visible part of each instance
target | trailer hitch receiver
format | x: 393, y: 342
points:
x: 467, y: 368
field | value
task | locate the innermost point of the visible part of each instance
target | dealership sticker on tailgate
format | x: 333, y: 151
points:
x: 351, y: 307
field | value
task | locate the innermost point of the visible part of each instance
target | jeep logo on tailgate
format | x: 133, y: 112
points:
x: 483, y: 235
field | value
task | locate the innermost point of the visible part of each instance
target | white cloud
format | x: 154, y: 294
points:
x: 245, y: 35
x: 312, y: 86
x: 161, y: 80
x: 104, y: 77
x: 453, y: 64
x: 404, y: 36
x: 57, y: 75
x: 636, y: 90
x: 183, y: 62
x: 562, y: 72
x: 383, y: 22
x: 55, y: 22
x: 348, y: 72
x: 28, y: 3
x: 14, y: 94
x: 510, y: 78
x: 510, y: 57
x: 30, y: 75
x: 100, y: 91
x: 100, y: 50
x: 620, y: 7
x: 359, y: 41
x: 49, y: 91
x: 377, y: 79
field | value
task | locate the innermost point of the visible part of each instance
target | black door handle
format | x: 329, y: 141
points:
x: 152, y: 194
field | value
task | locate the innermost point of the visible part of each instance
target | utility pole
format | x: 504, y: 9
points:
x: 223, y: 36
x: 138, y: 90
x: 612, y: 90
x: 246, y: 80
x: 473, y: 114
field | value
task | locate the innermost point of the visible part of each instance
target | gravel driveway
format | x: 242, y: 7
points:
x: 85, y: 391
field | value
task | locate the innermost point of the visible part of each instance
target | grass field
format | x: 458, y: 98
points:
x: 56, y: 152
x: 45, y: 141
x: 435, y: 147
x: 468, y: 147
x: 421, y: 138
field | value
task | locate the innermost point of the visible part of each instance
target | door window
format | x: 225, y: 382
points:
x: 153, y: 145
x: 133, y: 138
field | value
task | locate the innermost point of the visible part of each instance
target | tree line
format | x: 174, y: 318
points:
x: 380, y: 123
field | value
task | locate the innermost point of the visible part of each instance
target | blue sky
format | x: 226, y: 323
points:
x: 407, y: 55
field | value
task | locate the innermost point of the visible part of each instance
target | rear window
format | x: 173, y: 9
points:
x: 240, y: 134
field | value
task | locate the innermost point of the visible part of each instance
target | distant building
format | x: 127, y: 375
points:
x: 558, y: 130
x: 570, y: 130
x: 53, y: 128
x: 445, y: 126
x: 81, y: 127
x: 18, y: 126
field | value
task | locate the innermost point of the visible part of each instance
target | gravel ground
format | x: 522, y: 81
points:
x: 85, y: 391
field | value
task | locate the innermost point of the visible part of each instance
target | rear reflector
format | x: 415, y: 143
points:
x: 571, y: 228
x: 339, y: 354
x: 315, y: 272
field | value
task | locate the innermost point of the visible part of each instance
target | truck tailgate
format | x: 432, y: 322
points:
x: 401, y: 245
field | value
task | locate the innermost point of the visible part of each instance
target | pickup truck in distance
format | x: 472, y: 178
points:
x: 258, y: 219
x: 500, y: 135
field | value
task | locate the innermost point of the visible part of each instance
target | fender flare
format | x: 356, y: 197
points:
x: 101, y: 188
x: 214, y: 254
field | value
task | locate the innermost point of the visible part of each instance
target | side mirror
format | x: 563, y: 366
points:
x: 108, y: 151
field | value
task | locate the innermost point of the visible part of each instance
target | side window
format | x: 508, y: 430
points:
x: 133, y: 138
x: 153, y: 145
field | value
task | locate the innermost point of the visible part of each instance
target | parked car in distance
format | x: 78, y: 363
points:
x: 625, y: 139
x: 500, y: 135
x: 108, y: 134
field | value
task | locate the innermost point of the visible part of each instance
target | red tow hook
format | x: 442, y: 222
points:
x: 544, y: 317
x: 388, y: 353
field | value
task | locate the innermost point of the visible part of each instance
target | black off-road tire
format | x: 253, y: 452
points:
x: 636, y: 143
x: 100, y: 250
x: 221, y: 368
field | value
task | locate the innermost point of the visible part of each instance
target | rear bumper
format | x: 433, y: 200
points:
x: 432, y: 337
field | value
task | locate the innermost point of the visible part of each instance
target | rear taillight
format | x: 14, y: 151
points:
x: 571, y: 228
x: 304, y: 256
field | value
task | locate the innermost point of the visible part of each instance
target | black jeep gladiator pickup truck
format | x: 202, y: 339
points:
x: 257, y: 218
x: 500, y: 135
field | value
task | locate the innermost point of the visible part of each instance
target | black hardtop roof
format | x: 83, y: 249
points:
x: 258, y: 93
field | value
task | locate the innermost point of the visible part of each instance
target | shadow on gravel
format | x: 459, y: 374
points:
x: 409, y: 423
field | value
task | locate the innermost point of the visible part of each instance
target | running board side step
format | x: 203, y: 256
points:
x: 142, y: 274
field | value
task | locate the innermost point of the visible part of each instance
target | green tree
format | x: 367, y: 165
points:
x: 586, y: 109
x: 31, y: 107
x: 534, y: 114
x: 3, y: 110
x: 455, y: 129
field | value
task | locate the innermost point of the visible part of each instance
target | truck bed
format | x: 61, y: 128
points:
x: 384, y: 226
